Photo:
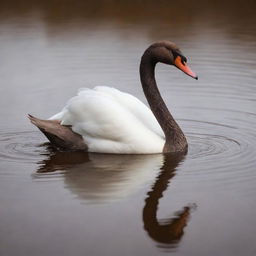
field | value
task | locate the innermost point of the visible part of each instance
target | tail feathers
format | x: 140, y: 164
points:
x: 59, y: 135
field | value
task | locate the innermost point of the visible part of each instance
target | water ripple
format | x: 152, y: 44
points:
x: 21, y: 147
x: 224, y: 153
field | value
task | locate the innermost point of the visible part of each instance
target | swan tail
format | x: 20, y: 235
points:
x: 60, y: 136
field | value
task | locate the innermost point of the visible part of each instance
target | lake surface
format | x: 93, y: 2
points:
x: 60, y: 203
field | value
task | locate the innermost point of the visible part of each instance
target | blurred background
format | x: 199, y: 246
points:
x: 54, y: 47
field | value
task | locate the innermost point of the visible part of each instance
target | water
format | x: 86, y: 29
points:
x: 59, y: 203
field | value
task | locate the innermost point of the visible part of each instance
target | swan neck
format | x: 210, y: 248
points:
x: 175, y: 139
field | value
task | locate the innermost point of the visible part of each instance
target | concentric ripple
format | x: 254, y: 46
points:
x: 21, y: 147
x: 221, y: 151
x: 205, y: 145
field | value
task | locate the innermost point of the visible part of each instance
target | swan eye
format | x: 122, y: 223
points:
x: 183, y: 60
x: 176, y: 54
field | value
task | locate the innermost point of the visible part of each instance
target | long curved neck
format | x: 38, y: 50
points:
x: 175, y: 139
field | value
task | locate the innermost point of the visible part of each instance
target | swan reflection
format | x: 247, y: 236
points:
x: 168, y: 232
x: 101, y: 178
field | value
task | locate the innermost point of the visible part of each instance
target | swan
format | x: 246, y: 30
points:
x: 106, y: 120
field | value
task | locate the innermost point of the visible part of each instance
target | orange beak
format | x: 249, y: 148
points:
x: 184, y: 67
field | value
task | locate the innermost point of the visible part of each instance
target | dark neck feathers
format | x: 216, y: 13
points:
x: 175, y: 139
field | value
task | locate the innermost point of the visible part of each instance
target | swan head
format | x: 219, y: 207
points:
x: 169, y: 53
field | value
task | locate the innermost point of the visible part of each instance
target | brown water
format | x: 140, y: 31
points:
x: 59, y: 203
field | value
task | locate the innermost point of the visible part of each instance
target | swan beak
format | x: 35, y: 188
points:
x: 184, y: 67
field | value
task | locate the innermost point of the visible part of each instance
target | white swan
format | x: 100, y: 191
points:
x: 111, y: 121
x: 106, y: 120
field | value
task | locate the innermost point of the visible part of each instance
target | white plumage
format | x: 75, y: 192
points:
x: 111, y: 121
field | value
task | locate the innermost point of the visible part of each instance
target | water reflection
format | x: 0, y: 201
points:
x: 101, y: 178
x: 167, y: 232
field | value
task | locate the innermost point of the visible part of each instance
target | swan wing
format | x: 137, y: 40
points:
x: 135, y: 106
x: 111, y: 121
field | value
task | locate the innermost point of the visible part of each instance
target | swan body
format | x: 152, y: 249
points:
x: 111, y: 121
x: 106, y: 120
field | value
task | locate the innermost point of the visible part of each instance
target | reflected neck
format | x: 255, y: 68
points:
x: 175, y: 139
